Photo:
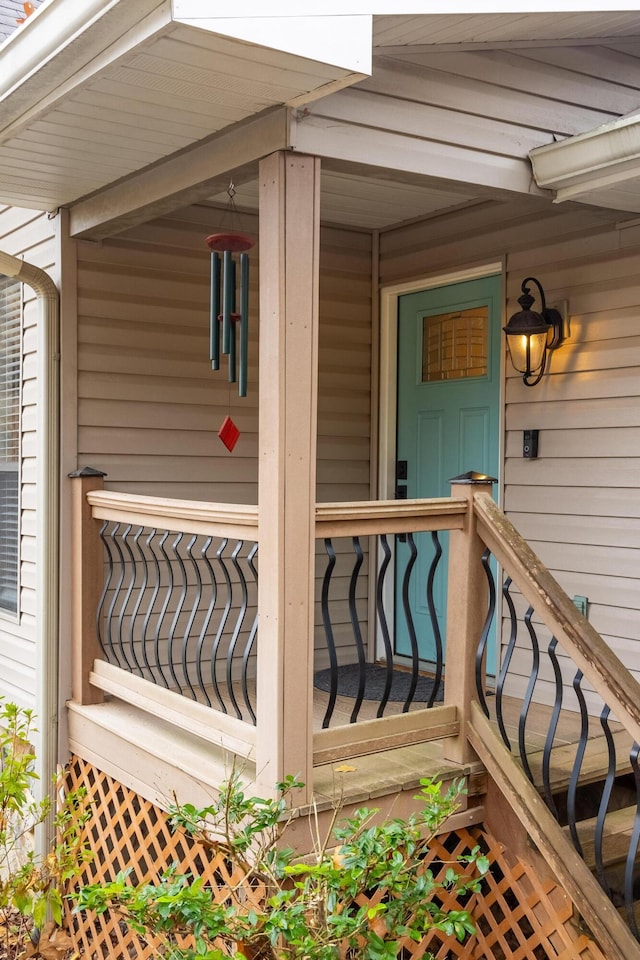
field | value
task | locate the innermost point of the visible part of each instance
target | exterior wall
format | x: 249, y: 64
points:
x: 29, y: 234
x: 578, y: 503
x: 149, y: 406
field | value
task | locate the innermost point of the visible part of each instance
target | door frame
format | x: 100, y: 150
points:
x: 388, y: 382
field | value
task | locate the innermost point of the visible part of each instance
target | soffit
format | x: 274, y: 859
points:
x: 130, y: 87
x: 152, y: 88
x: 503, y: 28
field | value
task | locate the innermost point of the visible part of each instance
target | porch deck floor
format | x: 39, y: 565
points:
x: 397, y: 772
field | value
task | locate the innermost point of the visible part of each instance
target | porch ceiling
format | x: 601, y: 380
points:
x: 160, y: 91
x: 357, y: 198
x: 465, y: 30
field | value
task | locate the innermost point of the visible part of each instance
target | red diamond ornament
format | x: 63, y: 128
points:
x: 229, y: 433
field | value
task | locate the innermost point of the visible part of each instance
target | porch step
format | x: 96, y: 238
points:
x: 618, y: 827
x: 594, y: 765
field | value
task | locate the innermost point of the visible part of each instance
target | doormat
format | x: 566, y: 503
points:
x: 375, y: 682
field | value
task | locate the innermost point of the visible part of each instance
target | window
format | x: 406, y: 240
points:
x: 455, y: 345
x: 10, y: 353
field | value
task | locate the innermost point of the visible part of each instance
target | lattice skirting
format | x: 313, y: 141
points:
x: 518, y: 915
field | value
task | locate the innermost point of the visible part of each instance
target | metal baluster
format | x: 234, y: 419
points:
x: 207, y: 618
x: 195, y: 606
x: 239, y: 621
x: 604, y: 800
x: 484, y: 636
x: 577, y: 763
x: 174, y: 622
x: 105, y: 590
x: 133, y: 619
x: 148, y: 614
x: 631, y: 864
x: 413, y: 640
x: 553, y: 726
x: 355, y: 625
x: 222, y: 624
x: 384, y: 626
x: 127, y: 597
x: 504, y: 667
x: 528, y: 696
x: 116, y: 595
x: 435, y: 626
x: 328, y: 632
x: 165, y: 604
x: 252, y: 636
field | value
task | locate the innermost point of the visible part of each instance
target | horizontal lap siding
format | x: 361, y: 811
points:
x: 149, y: 404
x: 29, y: 235
x: 578, y: 504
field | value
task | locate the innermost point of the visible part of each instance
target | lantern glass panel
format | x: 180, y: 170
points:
x: 527, y: 351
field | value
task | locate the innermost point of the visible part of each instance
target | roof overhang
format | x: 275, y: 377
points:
x: 600, y: 167
x: 91, y: 93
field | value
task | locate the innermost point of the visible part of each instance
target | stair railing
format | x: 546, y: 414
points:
x: 553, y: 661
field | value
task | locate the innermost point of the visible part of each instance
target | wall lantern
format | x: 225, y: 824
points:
x: 531, y: 335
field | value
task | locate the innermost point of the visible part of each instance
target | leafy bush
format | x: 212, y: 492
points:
x: 29, y: 885
x: 364, y: 889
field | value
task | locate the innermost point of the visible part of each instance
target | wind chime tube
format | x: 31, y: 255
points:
x: 228, y: 293
x: 244, y: 323
x: 214, y: 323
x: 233, y: 318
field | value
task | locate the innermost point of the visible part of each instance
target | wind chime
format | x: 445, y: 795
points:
x: 229, y: 328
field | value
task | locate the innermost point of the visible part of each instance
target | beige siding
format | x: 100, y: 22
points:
x: 27, y: 234
x: 149, y: 404
x: 579, y: 502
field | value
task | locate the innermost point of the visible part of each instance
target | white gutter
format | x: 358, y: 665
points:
x: 47, y: 523
x: 600, y: 158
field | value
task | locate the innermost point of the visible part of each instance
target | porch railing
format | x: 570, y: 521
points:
x: 585, y: 764
x: 169, y: 618
x: 172, y: 628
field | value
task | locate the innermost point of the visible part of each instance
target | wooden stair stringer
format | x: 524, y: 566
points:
x: 607, y: 927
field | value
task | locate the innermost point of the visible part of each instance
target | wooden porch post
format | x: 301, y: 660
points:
x: 87, y: 579
x: 289, y: 250
x: 466, y: 612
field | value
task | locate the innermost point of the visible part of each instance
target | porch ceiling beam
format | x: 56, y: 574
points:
x: 190, y: 176
x: 328, y: 137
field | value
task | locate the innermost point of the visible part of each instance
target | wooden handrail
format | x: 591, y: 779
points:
x: 599, y: 664
x: 357, y: 518
x: 186, y: 516
x: 368, y: 517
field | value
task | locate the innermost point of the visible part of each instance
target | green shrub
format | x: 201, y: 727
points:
x: 364, y: 889
x: 29, y: 885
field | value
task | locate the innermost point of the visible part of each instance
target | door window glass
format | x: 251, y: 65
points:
x: 455, y: 345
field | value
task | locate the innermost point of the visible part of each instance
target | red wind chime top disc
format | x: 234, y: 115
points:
x: 233, y: 242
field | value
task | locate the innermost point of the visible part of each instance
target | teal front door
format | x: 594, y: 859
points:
x: 448, y: 421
